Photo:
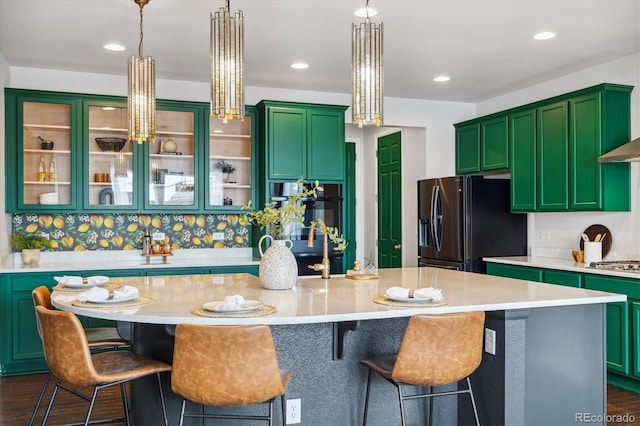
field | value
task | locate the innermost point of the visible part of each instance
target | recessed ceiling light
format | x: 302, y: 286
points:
x: 362, y: 12
x: 299, y: 65
x: 442, y: 78
x: 114, y: 47
x: 544, y: 35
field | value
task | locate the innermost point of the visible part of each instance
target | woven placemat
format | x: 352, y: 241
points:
x: 262, y: 311
x: 62, y: 287
x: 384, y: 301
x: 138, y: 301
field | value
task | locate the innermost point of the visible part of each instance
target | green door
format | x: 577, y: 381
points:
x: 287, y: 143
x: 349, y: 202
x: 389, y: 201
x: 553, y: 158
x: 522, y: 141
x: 635, y: 339
x: 468, y: 149
x: 584, y: 148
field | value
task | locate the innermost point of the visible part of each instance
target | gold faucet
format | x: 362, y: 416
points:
x: 324, y: 266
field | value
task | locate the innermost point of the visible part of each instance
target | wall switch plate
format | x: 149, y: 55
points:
x: 218, y: 236
x: 490, y: 341
x: 158, y: 236
x: 294, y: 413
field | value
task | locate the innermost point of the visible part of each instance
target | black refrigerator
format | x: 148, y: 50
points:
x: 462, y: 219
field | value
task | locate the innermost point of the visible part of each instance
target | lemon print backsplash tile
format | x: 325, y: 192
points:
x: 77, y: 232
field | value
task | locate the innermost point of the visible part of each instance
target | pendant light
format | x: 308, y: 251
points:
x: 227, y: 64
x: 367, y: 72
x: 141, y: 101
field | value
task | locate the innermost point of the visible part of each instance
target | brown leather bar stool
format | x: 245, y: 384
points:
x: 70, y: 360
x: 435, y: 350
x: 99, y: 337
x: 227, y: 366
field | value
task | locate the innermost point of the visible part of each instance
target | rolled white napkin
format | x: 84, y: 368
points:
x: 231, y: 302
x: 79, y: 281
x: 126, y: 292
x: 428, y: 293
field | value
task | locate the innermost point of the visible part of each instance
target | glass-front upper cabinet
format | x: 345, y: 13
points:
x: 44, y: 144
x: 109, y: 173
x: 230, y: 166
x: 171, y: 168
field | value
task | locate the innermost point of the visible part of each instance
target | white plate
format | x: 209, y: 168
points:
x: 409, y: 299
x: 96, y: 280
x: 248, y: 305
x: 118, y: 300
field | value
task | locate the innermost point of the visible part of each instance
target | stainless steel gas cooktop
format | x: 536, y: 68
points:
x: 618, y: 265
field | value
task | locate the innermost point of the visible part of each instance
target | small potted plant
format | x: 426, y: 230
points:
x: 29, y: 245
x: 226, y: 168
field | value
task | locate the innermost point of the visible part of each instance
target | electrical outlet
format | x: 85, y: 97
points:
x: 490, y: 341
x: 294, y: 412
x: 218, y: 235
x: 158, y: 236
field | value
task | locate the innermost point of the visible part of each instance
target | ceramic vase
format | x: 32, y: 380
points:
x: 30, y: 257
x: 278, y: 267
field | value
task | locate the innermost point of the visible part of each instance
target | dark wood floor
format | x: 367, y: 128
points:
x: 18, y: 395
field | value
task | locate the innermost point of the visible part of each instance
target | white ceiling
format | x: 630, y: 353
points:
x: 486, y: 46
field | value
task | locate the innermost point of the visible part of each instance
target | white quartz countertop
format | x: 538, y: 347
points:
x: 129, y: 259
x: 560, y: 264
x: 314, y: 300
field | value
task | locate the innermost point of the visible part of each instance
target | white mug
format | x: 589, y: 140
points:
x: 592, y: 252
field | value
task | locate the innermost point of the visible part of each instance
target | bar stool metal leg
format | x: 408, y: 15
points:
x: 366, y: 398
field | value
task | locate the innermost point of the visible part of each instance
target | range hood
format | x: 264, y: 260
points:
x: 628, y: 152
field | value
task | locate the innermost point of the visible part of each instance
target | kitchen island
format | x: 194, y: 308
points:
x: 548, y: 367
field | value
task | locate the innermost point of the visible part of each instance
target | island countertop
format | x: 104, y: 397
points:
x: 314, y: 300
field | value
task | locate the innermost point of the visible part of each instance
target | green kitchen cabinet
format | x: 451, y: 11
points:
x: 21, y: 347
x: 623, y: 330
x: 635, y: 349
x: 599, y: 122
x: 176, y: 173
x: 302, y: 140
x: 494, y: 145
x: 38, y: 173
x: 553, y: 148
x: 483, y: 146
x: 566, y: 278
x: 553, y: 157
x: 522, y: 141
x: 468, y: 149
x: 514, y: 271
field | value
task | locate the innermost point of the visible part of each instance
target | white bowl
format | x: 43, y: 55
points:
x: 49, y: 198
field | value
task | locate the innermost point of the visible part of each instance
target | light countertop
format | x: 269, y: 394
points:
x: 129, y: 259
x: 560, y: 264
x: 314, y: 300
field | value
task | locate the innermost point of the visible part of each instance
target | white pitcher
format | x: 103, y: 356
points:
x: 278, y: 266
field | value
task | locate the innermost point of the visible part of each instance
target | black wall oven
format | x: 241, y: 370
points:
x: 328, y: 207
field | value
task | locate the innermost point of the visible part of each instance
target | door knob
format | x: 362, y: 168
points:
x: 397, y: 246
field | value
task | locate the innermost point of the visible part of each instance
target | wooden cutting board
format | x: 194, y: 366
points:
x: 594, y: 230
x: 362, y: 276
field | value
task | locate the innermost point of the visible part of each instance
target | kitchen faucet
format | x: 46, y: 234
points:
x: 324, y: 266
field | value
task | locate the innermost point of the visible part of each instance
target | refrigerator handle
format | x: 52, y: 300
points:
x: 435, y: 219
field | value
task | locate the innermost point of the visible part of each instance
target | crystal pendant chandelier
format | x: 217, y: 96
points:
x: 141, y: 101
x: 227, y: 64
x: 366, y: 72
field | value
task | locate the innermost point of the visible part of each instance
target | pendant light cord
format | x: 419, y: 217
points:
x: 141, y: 33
